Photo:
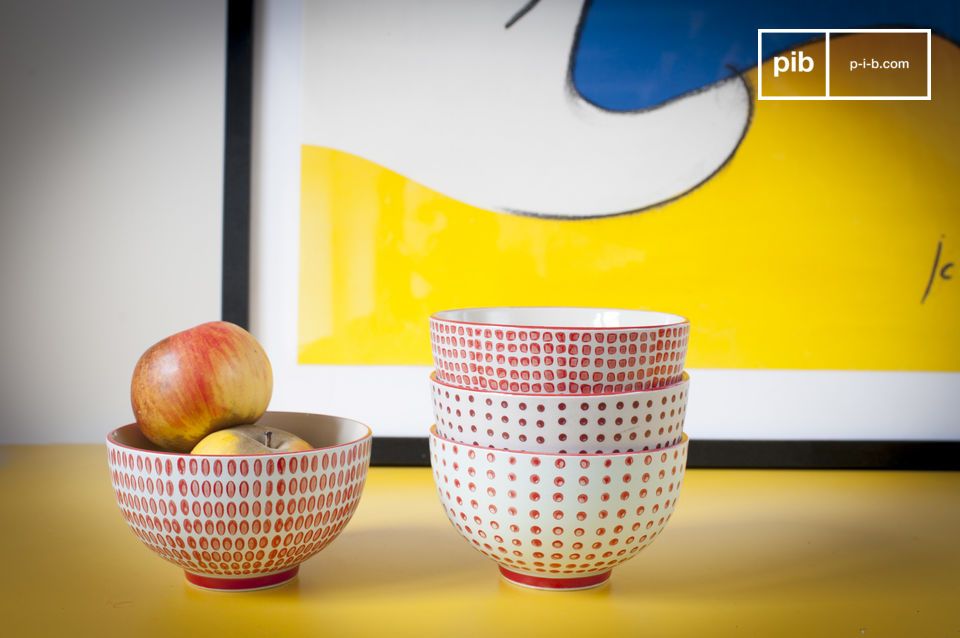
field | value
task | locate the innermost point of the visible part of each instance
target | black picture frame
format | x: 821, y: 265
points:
x: 237, y: 163
x: 413, y: 451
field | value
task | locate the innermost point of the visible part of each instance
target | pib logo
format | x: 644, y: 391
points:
x: 795, y: 62
x: 844, y: 64
x: 793, y: 69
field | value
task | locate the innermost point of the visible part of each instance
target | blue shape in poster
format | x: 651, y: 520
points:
x: 634, y: 54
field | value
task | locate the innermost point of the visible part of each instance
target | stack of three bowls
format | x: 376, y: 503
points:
x: 558, y: 448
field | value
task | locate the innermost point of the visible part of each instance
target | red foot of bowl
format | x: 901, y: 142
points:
x: 242, y: 584
x: 555, y: 584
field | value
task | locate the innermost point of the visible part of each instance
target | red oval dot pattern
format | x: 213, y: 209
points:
x: 558, y: 360
x: 557, y: 516
x: 261, y: 515
x: 566, y: 424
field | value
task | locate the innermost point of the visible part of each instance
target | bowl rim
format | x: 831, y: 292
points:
x: 684, y: 440
x: 368, y: 434
x: 438, y: 316
x: 684, y: 380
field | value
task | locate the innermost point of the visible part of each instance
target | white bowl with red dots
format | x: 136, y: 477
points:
x: 581, y: 424
x: 239, y: 522
x: 557, y: 521
x: 543, y: 350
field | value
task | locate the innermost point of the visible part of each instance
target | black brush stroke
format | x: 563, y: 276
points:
x: 661, y: 203
x: 524, y: 10
x: 933, y: 273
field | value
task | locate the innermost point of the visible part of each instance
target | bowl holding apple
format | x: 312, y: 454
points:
x: 209, y: 480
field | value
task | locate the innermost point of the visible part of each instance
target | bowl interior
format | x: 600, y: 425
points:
x: 319, y: 430
x: 547, y: 317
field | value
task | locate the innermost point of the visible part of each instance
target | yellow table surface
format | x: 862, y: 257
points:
x: 747, y: 553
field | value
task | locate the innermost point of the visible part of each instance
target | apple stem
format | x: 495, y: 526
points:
x: 268, y: 434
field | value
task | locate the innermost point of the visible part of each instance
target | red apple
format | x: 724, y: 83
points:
x: 213, y: 376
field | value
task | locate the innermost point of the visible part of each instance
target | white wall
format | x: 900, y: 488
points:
x: 111, y: 142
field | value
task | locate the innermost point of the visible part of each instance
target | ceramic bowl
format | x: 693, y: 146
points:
x: 582, y: 424
x: 558, y: 350
x: 242, y: 522
x: 557, y: 521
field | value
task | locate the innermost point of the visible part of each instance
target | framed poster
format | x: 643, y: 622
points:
x: 413, y: 157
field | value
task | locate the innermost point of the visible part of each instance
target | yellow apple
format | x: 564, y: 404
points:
x: 250, y: 439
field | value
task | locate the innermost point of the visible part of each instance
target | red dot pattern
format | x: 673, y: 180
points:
x: 238, y: 515
x: 558, y: 360
x: 557, y: 516
x: 578, y: 424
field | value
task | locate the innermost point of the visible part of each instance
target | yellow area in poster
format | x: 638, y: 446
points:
x: 811, y: 249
